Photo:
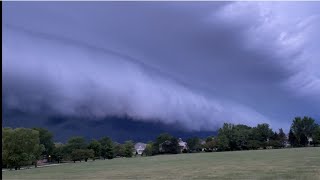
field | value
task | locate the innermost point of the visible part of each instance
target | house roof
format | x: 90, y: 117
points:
x: 140, y: 145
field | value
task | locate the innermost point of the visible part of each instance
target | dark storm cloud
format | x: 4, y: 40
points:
x: 197, y: 64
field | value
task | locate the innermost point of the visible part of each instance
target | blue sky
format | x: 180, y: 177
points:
x: 196, y: 64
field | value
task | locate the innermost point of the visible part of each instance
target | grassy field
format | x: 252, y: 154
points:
x: 300, y: 163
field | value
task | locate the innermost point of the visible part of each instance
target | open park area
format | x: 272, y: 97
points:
x: 294, y: 163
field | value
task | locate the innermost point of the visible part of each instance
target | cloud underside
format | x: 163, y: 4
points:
x: 234, y: 62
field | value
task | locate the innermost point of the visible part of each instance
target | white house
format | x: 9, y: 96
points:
x: 309, y: 141
x: 183, y: 145
x: 139, y: 147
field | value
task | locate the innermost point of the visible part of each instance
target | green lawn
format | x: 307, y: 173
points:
x: 299, y: 163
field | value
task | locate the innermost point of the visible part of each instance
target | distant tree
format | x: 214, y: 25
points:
x: 76, y: 143
x: 282, y: 137
x: 109, y: 151
x: 76, y: 155
x: 21, y: 146
x: 274, y: 141
x: 254, y: 144
x: 240, y: 137
x: 223, y: 143
x: 82, y: 154
x: 107, y: 148
x: 316, y: 136
x: 209, y: 138
x: 233, y: 137
x: 58, y: 153
x: 119, y: 150
x: 173, y: 148
x: 275, y: 136
x: 210, y: 144
x: 96, y: 147
x: 275, y: 144
x: 148, y: 150
x: 194, y: 144
x: 292, y: 139
x: 303, y: 128
x: 88, y: 153
x: 46, y: 139
x: 128, y: 149
x: 159, y: 140
x: 264, y: 133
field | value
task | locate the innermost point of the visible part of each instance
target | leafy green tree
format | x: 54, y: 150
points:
x: 46, y: 139
x: 77, y: 155
x: 223, y: 143
x: 173, y: 147
x: 88, y: 153
x: 58, y: 153
x: 234, y: 137
x: 119, y: 150
x: 263, y: 132
x: 292, y: 139
x: 240, y: 137
x: 75, y: 143
x: 96, y: 147
x: 82, y: 154
x: 211, y: 144
x: 275, y: 144
x: 148, y: 150
x: 275, y: 136
x: 194, y: 144
x: 107, y: 148
x: 303, y: 128
x: 254, y: 144
x: 37, y: 153
x: 282, y: 137
x: 210, y: 138
x: 128, y: 149
x: 21, y: 146
x: 316, y: 136
x: 159, y: 140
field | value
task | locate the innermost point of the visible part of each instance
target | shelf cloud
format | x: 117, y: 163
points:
x: 193, y: 64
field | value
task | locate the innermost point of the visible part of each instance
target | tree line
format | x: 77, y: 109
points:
x: 23, y: 146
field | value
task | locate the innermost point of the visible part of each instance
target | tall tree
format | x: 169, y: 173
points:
x: 173, y: 148
x: 119, y: 150
x: 264, y: 132
x: 46, y: 139
x: 20, y: 147
x: 282, y: 137
x: 303, y: 128
x: 58, y: 153
x: 74, y: 143
x: 240, y: 137
x: 96, y: 147
x: 316, y: 136
x: 77, y: 142
x: 81, y: 154
x: 223, y: 143
x: 194, y: 144
x: 107, y: 148
x: 148, y: 150
x: 225, y: 137
x: 128, y: 149
x: 159, y: 140
x: 292, y: 139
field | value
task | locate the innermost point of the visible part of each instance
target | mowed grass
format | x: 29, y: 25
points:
x: 298, y: 163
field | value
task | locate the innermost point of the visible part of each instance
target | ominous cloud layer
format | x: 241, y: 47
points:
x: 197, y: 64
